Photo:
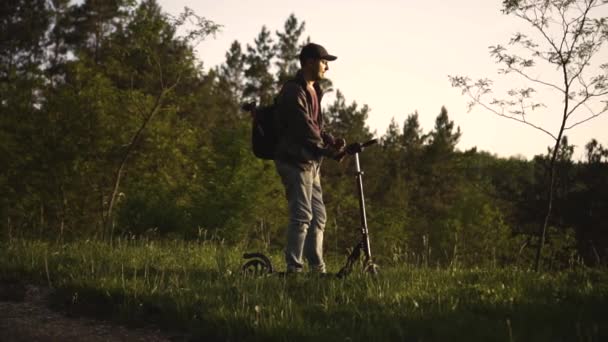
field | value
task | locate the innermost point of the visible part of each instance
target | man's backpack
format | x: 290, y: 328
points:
x: 263, y: 135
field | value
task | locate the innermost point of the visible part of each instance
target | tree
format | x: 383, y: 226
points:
x: 440, y: 183
x: 390, y: 193
x: 23, y: 24
x: 287, y: 48
x: 260, y: 84
x: 412, y: 138
x: 94, y: 21
x: 232, y: 72
x: 443, y: 139
x: 595, y: 152
x: 346, y: 121
x: 168, y: 62
x: 569, y: 37
x: 591, y: 199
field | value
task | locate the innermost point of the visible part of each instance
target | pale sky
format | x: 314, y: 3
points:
x: 395, y: 56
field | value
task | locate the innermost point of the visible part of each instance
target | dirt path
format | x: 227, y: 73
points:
x: 25, y: 316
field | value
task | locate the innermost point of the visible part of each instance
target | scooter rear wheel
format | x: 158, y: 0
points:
x: 255, y: 268
x: 257, y: 265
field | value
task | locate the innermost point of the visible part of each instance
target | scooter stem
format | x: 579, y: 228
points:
x: 364, y: 230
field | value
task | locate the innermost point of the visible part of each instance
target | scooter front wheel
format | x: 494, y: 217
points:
x: 372, y: 268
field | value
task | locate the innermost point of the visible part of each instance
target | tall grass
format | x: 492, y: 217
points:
x: 197, y: 289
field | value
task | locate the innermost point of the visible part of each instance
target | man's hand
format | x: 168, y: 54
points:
x: 339, y: 143
x: 336, y: 150
x: 354, y: 148
x: 250, y: 107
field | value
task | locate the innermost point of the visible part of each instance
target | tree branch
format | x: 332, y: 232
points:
x: 565, y: 27
x: 579, y: 32
x: 542, y: 31
x: 587, y: 119
x: 508, y: 116
x: 537, y: 80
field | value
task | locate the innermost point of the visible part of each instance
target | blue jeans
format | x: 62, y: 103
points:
x: 307, y: 216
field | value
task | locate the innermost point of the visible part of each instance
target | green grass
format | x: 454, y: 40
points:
x: 197, y: 289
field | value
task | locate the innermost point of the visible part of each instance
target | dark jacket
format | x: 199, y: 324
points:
x: 299, y: 140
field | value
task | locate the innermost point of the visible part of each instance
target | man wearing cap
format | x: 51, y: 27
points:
x: 303, y: 143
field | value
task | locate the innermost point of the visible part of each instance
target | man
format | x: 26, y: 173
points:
x: 302, y: 144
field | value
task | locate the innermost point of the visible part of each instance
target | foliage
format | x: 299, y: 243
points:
x: 196, y: 289
x: 567, y: 36
x: 111, y: 127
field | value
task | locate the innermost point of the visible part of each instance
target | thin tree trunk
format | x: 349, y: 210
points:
x: 64, y: 204
x: 543, y: 231
x: 41, y: 228
x: 102, y: 213
x: 130, y: 148
x: 61, y: 228
x: 10, y: 228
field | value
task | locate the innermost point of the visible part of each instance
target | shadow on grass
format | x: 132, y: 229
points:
x: 544, y: 312
x: 541, y: 318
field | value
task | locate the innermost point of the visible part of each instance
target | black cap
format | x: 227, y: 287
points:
x: 313, y: 50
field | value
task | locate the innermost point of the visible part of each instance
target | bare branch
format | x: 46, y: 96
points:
x: 579, y: 32
x: 203, y: 27
x: 160, y: 71
x: 565, y: 27
x: 584, y: 102
x: 544, y: 34
x: 518, y: 120
x: 587, y: 119
x: 539, y: 81
x: 594, y: 46
x: 502, y: 114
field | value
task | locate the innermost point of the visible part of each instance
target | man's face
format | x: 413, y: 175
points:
x: 318, y: 68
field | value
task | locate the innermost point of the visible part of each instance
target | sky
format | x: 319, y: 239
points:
x: 395, y: 56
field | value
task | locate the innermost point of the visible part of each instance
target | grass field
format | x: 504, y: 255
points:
x: 197, y: 289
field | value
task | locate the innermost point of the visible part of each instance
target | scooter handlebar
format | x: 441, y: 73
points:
x: 369, y: 143
x: 353, y: 148
x: 249, y: 107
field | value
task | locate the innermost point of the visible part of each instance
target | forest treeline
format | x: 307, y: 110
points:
x: 111, y: 126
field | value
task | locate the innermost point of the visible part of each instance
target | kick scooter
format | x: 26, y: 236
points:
x: 259, y: 264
